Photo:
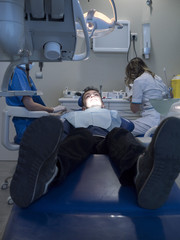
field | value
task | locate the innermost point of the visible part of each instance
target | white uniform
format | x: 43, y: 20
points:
x: 146, y: 87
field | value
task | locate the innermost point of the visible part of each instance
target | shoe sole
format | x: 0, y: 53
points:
x: 36, y: 150
x: 166, y: 166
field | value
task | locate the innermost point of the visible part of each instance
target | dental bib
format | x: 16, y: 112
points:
x: 93, y: 116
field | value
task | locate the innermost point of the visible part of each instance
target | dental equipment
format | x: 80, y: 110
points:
x: 146, y: 40
x: 165, y: 106
x: 98, y: 24
x: 42, y: 31
x: 175, y: 109
x: 165, y: 75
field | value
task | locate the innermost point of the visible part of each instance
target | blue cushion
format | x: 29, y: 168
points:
x: 80, y: 101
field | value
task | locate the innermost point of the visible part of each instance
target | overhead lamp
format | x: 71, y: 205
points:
x: 98, y: 24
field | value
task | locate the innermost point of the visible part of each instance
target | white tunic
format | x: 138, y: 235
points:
x: 146, y: 87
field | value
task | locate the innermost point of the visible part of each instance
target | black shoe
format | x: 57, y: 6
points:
x: 160, y: 165
x: 36, y: 167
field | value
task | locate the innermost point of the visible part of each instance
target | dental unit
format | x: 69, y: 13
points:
x: 43, y: 31
x: 46, y: 31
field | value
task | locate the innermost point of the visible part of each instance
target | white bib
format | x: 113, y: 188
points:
x: 93, y: 116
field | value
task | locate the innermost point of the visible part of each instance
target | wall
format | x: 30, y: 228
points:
x: 107, y: 69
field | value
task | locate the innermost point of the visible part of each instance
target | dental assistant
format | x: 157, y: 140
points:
x: 21, y: 81
x: 146, y: 86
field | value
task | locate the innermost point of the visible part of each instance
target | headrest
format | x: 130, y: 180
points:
x: 80, y: 101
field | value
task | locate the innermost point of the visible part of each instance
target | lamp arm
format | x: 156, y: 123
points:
x: 78, y: 15
x: 115, y: 14
x: 8, y: 73
x: 114, y: 10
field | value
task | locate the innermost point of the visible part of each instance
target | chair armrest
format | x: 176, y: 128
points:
x: 9, y: 112
x: 23, y: 112
x: 145, y: 141
x: 150, y: 131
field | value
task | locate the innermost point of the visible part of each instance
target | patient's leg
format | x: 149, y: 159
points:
x: 44, y: 158
x: 159, y: 166
x: 73, y: 150
x: 36, y: 166
x: 124, y: 150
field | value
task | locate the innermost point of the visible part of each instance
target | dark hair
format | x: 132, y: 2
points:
x: 135, y: 68
x: 80, y: 101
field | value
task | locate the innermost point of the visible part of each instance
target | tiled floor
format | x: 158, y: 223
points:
x: 6, y: 170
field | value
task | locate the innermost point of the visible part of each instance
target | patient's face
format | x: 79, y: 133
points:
x: 92, y: 99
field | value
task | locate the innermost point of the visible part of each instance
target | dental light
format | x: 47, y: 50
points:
x: 40, y: 30
x: 46, y: 31
x: 98, y: 24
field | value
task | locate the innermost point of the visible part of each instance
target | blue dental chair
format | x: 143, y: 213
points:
x: 91, y: 204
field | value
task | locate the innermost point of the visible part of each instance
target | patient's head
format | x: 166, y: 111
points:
x: 91, y: 98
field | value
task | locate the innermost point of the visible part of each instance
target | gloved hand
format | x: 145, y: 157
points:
x: 59, y: 108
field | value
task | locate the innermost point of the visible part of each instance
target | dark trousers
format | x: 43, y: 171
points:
x: 119, y: 144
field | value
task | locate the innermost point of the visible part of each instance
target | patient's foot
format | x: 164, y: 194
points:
x: 160, y: 165
x: 36, y: 167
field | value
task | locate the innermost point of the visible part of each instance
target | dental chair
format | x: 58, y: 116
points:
x: 91, y: 204
x: 8, y: 113
x: 169, y: 107
x: 146, y: 139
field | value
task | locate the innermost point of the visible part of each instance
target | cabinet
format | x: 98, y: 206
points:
x: 121, y: 105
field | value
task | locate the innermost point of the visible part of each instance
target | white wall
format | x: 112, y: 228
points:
x: 107, y: 69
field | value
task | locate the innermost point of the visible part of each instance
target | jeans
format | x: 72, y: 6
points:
x: 119, y: 144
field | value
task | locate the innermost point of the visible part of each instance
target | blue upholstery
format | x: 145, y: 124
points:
x: 80, y: 101
x: 92, y: 205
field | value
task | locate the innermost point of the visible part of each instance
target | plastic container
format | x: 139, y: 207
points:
x: 175, y: 84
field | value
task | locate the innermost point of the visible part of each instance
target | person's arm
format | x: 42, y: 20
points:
x: 135, y: 107
x: 33, y: 106
x: 136, y: 98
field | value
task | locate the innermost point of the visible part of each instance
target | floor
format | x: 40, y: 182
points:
x: 6, y: 170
